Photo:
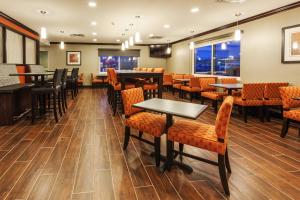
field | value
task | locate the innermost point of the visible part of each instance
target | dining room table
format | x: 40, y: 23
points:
x: 124, y: 75
x: 173, y: 108
x: 35, y: 75
x: 229, y: 87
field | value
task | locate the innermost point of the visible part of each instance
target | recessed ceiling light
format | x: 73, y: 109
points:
x: 166, y: 26
x: 151, y: 35
x: 94, y: 33
x: 93, y: 23
x: 92, y: 4
x: 194, y: 10
x: 95, y: 40
x: 118, y: 40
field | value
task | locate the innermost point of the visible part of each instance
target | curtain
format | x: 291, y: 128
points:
x: 14, y: 47
x: 30, y: 51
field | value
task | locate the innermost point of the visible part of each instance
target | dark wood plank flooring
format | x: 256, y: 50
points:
x: 81, y: 157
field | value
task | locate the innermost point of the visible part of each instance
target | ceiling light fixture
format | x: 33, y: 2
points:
x: 92, y: 4
x: 126, y: 44
x: 223, y: 46
x: 117, y: 40
x: 131, y: 41
x: 95, y: 40
x: 123, y: 47
x: 167, y: 26
x: 94, y: 33
x: 192, y: 45
x: 195, y: 10
x: 137, y: 37
x: 62, y: 45
x: 43, y: 33
x: 93, y: 23
x: 169, y: 49
x: 151, y: 35
x: 237, y: 32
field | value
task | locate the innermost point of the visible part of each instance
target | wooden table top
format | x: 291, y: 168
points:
x: 32, y: 74
x: 228, y: 86
x: 177, y: 108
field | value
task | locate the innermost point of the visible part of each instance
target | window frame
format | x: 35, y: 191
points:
x: 211, y: 43
x: 119, y: 62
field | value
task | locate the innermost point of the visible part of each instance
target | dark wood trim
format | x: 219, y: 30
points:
x: 24, y: 49
x: 18, y: 32
x: 87, y: 43
x: 249, y: 19
x: 67, y: 58
x: 18, y: 23
x: 4, y: 44
x: 283, y: 45
x: 37, y: 49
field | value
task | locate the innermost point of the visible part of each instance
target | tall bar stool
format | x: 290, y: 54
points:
x: 64, y: 90
x: 72, y: 82
x: 53, y: 91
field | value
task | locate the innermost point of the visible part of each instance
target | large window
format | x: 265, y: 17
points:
x: 218, y: 59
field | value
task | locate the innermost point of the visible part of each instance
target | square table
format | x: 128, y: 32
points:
x: 173, y: 108
x: 35, y: 75
x: 229, y: 87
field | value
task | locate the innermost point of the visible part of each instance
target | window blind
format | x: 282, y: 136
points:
x: 14, y: 47
x: 117, y: 52
x: 30, y: 51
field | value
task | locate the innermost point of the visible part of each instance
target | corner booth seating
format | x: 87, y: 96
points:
x: 14, y: 96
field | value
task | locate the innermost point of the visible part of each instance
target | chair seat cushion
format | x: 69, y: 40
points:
x: 292, y: 114
x: 243, y: 102
x: 213, y: 95
x: 150, y: 123
x: 273, y: 102
x: 177, y: 86
x: 190, y: 89
x: 45, y: 89
x: 127, y: 86
x: 150, y: 86
x: 167, y: 83
x: 196, y: 134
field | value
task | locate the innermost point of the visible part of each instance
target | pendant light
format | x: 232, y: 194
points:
x: 169, y: 49
x: 43, y: 33
x: 192, y: 45
x: 223, y: 46
x: 137, y: 35
x: 131, y: 42
x: 123, y: 47
x: 126, y: 44
x: 237, y: 32
x: 62, y: 45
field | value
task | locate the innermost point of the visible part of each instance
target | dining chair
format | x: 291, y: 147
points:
x: 150, y: 86
x: 63, y: 95
x: 193, y: 88
x: 80, y: 80
x: 144, y: 122
x: 272, y: 98
x: 116, y: 89
x: 212, y: 138
x: 290, y: 111
x: 177, y: 84
x: 252, y: 96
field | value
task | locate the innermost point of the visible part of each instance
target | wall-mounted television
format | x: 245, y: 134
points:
x: 160, y: 51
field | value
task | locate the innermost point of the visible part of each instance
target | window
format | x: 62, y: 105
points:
x: 14, y: 47
x: 30, y: 46
x: 218, y: 59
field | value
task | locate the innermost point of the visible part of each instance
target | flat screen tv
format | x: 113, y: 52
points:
x: 160, y: 51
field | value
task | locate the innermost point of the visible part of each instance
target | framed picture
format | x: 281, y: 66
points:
x: 291, y: 44
x: 74, y: 58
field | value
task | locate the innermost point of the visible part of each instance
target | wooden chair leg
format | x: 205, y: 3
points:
x: 65, y: 99
x: 285, y: 127
x: 215, y: 104
x: 181, y: 146
x: 140, y: 134
x: 55, y: 107
x: 127, y: 137
x: 267, y: 112
x: 245, y: 110
x: 170, y: 157
x: 59, y: 104
x: 227, y: 162
x: 191, y: 96
x: 114, y: 103
x: 157, y: 150
x: 222, y: 172
x: 261, y: 114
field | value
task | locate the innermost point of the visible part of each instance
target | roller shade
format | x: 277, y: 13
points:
x: 30, y: 51
x: 117, y: 52
x: 14, y: 47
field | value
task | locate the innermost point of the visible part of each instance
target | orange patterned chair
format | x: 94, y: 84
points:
x: 142, y: 121
x: 290, y: 113
x: 177, y: 84
x: 150, y: 87
x: 95, y: 81
x: 272, y: 97
x: 193, y: 88
x: 215, y: 96
x: 213, y: 138
x: 167, y: 81
x: 80, y: 80
x: 205, y: 85
x: 252, y: 96
x: 115, y: 88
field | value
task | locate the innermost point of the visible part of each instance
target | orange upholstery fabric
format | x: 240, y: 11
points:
x: 286, y: 94
x: 150, y: 123
x: 177, y: 76
x: 190, y: 89
x: 167, y: 79
x: 177, y: 86
x: 80, y: 79
x: 21, y: 69
x: 112, y: 78
x: 194, y: 85
x: 127, y: 86
x: 95, y: 80
x: 252, y: 95
x: 213, y: 95
x: 229, y: 81
x: 205, y: 83
x: 203, y: 135
x: 150, y: 86
x: 292, y: 114
x: 159, y: 70
x: 273, y: 102
x: 130, y: 97
x: 272, y: 90
x: 188, y: 76
x: 149, y: 69
x: 248, y: 102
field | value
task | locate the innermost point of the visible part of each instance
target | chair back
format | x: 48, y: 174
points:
x: 177, y: 76
x: 194, y: 82
x: 253, y: 91
x: 74, y: 73
x: 149, y: 69
x: 223, y: 117
x: 205, y: 83
x: 159, y: 70
x: 144, y: 69
x: 130, y: 97
x: 287, y: 94
x: 81, y: 76
x: 188, y: 76
x: 57, y: 77
x: 112, y: 75
x: 229, y: 81
x: 167, y: 78
x: 272, y: 90
x: 64, y: 76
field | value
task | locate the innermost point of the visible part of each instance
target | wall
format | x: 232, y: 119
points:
x: 89, y: 58
x: 260, y: 50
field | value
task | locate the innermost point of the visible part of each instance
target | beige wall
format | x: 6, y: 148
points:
x: 260, y: 50
x: 90, y: 60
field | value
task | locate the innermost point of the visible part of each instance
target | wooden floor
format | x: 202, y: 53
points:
x: 81, y: 158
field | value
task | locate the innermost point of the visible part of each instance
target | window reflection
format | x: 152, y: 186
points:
x: 118, y: 62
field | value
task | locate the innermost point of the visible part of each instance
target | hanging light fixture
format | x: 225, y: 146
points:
x: 192, y: 45
x: 237, y: 32
x: 169, y: 50
x: 126, y: 44
x: 137, y: 37
x: 62, y: 45
x: 123, y: 47
x: 131, y: 41
x: 43, y: 33
x: 223, y: 46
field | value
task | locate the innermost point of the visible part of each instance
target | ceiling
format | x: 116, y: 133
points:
x: 114, y: 16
